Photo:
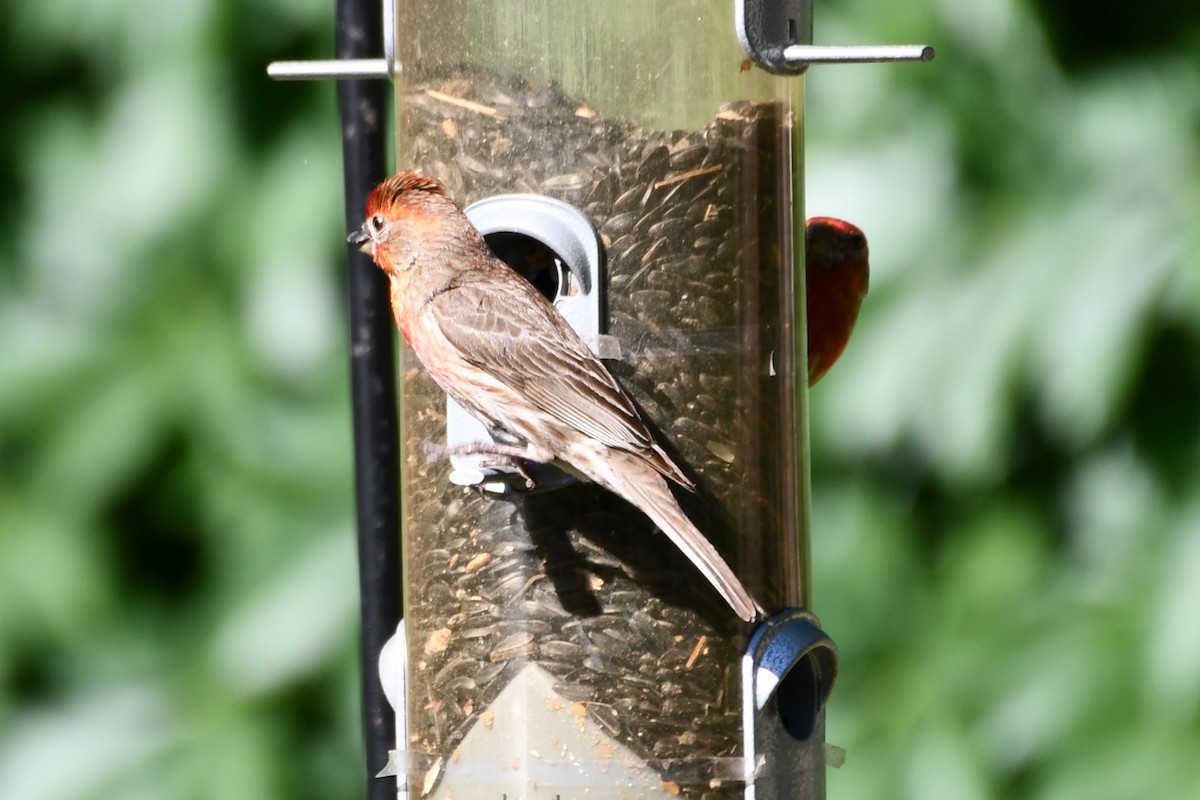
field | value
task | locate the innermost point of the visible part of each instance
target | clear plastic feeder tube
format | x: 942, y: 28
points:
x: 556, y: 641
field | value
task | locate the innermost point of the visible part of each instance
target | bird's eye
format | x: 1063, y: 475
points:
x: 376, y: 222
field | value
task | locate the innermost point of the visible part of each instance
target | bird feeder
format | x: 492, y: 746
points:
x: 641, y: 163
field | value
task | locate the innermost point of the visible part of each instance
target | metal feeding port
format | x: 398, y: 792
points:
x: 552, y: 245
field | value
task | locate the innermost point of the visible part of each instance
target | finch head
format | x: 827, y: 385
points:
x: 834, y: 245
x: 397, y: 209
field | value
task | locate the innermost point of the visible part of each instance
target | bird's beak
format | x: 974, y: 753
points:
x: 362, y: 240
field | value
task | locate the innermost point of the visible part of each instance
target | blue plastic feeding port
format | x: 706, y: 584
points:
x: 553, y: 245
x: 793, y: 668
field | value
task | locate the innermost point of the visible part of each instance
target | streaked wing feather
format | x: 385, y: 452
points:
x: 552, y: 368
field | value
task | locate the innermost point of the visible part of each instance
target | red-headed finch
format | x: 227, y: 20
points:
x: 837, y: 279
x: 501, y: 349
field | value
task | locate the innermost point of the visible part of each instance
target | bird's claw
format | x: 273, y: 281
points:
x: 517, y: 463
x: 502, y: 455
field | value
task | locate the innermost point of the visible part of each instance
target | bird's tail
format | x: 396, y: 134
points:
x: 640, y: 484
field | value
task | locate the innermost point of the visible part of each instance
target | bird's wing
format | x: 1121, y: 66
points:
x: 505, y: 328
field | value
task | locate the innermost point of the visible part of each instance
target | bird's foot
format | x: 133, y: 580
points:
x: 502, y: 455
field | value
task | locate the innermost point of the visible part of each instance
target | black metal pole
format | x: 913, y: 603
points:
x: 363, y: 106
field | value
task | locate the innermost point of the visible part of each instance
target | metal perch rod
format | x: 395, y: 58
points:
x: 856, y: 54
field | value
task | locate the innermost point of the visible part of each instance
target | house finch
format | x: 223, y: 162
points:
x: 501, y: 349
x: 837, y: 277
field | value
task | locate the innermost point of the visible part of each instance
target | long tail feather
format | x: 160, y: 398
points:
x: 638, y: 482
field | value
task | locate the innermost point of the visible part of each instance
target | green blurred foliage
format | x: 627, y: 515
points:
x: 1007, y: 530
x: 1007, y: 522
x: 177, y: 576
